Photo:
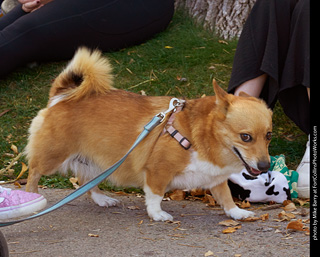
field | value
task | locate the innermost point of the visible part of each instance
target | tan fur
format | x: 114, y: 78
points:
x: 87, y: 74
x: 89, y: 125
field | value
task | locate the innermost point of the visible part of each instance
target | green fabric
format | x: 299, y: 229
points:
x: 278, y: 164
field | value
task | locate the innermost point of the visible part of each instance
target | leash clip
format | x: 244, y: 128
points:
x: 174, y: 102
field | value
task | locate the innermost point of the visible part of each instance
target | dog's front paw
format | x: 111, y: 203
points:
x: 160, y: 216
x: 238, y: 214
x: 103, y: 200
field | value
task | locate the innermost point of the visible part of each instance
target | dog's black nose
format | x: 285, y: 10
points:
x: 263, y: 166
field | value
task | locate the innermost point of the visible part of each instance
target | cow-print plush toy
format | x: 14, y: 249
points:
x: 270, y: 186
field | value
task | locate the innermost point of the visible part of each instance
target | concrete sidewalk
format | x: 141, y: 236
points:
x: 82, y: 228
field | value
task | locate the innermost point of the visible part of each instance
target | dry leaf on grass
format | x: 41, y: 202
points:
x: 14, y: 148
x: 24, y: 168
x: 74, y: 182
x: 223, y: 42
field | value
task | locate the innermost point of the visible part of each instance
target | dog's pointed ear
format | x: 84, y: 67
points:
x: 221, y: 97
x: 244, y: 94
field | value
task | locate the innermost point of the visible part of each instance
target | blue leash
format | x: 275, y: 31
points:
x: 92, y: 183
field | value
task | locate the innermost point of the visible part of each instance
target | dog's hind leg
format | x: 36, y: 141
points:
x: 33, y: 180
x: 42, y: 163
x: 223, y: 195
x: 101, y: 199
x: 85, y: 170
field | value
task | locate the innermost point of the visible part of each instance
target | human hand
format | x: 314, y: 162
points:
x: 32, y: 5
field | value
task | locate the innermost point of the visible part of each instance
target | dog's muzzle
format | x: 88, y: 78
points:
x: 263, y: 166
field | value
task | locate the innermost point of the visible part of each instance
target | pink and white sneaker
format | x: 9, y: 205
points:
x: 16, y: 203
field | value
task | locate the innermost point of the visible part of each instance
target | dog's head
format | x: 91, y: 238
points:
x: 246, y: 125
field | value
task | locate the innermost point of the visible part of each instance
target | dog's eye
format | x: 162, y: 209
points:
x: 269, y: 135
x: 246, y: 137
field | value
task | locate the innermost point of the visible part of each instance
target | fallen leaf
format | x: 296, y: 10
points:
x: 197, y: 192
x: 229, y: 223
x: 74, y: 182
x: 208, y: 253
x: 11, y: 155
x: 168, y: 47
x: 212, y: 202
x: 24, y: 168
x: 251, y: 219
x: 177, y: 195
x: 289, y: 207
x: 133, y: 208
x: 245, y: 204
x: 297, y: 225
x: 142, y: 92
x: 121, y: 193
x: 300, y: 201
x: 286, y: 202
x: 230, y: 230
x: 223, y: 42
x: 14, y: 148
x: 307, y: 221
x: 17, y: 184
x: 284, y: 216
x: 264, y: 216
x: 93, y: 235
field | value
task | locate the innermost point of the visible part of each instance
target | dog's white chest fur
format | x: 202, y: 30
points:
x: 201, y: 174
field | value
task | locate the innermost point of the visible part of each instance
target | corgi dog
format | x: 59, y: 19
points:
x: 88, y: 125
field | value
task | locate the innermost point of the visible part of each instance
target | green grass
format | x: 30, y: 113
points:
x: 184, y: 50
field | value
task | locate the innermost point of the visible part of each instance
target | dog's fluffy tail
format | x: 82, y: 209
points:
x: 87, y: 74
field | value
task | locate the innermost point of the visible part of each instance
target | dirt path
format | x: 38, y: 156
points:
x: 85, y: 229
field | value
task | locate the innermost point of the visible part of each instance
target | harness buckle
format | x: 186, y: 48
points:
x: 174, y: 102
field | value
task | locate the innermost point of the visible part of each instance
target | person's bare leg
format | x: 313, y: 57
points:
x: 252, y: 87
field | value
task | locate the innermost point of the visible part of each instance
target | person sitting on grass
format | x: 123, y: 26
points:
x: 272, y: 61
x: 51, y: 30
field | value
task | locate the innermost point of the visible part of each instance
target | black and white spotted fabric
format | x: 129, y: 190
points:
x: 271, y: 186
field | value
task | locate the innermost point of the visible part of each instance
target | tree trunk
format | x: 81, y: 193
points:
x: 224, y: 17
